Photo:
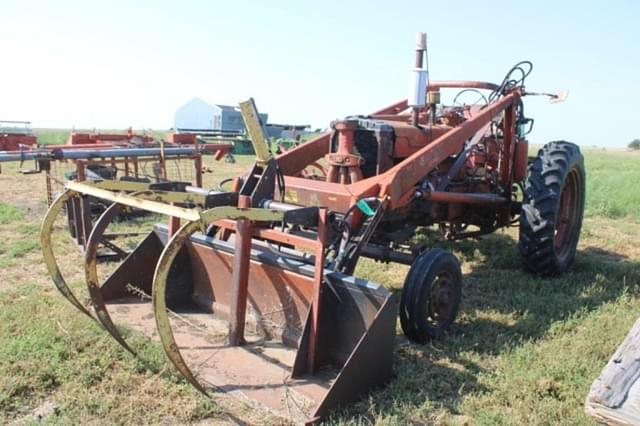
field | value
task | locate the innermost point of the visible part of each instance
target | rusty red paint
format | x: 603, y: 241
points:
x: 240, y: 277
x: 16, y: 141
x: 521, y: 160
x: 398, y: 181
x: 318, y: 280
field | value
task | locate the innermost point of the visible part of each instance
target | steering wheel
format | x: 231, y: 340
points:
x: 314, y: 171
x: 478, y: 97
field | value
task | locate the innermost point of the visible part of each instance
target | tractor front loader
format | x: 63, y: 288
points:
x: 252, y: 291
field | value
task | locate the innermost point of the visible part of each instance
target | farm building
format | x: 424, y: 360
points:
x: 199, y: 116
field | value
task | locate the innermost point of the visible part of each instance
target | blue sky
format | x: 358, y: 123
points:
x: 113, y: 64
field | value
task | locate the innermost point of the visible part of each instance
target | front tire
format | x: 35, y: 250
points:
x: 552, y: 209
x: 431, y: 295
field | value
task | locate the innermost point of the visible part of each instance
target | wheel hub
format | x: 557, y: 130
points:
x: 440, y: 298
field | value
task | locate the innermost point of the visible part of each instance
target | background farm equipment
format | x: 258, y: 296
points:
x: 123, y: 157
x: 80, y: 138
x: 16, y: 135
x: 169, y: 167
x: 255, y: 293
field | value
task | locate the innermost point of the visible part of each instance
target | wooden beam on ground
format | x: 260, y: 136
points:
x: 614, y: 398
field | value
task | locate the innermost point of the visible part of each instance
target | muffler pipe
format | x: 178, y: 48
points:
x: 419, y: 80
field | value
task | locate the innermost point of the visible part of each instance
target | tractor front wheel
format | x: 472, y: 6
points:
x: 431, y: 295
x: 552, y: 209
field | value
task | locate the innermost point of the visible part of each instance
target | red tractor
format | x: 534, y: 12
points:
x: 273, y: 258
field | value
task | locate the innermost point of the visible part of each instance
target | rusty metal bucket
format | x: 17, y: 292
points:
x: 301, y: 342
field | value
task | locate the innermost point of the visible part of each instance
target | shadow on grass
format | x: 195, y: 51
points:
x: 503, y: 307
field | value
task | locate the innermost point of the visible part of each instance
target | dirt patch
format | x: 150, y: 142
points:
x: 25, y: 191
x: 41, y: 412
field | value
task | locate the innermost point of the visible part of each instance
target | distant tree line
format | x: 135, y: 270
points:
x: 634, y: 144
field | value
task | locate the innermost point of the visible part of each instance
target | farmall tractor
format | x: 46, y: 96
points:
x: 252, y: 290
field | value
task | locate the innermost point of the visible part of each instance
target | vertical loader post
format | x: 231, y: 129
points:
x: 240, y: 278
x: 318, y: 279
x: 174, y: 225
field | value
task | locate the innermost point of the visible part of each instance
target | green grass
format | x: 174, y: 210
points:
x: 52, y: 136
x: 22, y: 247
x: 612, y: 184
x: 523, y: 351
x: 9, y: 213
x: 68, y: 359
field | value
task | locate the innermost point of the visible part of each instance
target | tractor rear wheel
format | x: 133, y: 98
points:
x: 552, y: 208
x: 431, y: 295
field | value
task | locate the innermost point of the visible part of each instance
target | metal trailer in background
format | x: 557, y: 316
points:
x: 15, y: 135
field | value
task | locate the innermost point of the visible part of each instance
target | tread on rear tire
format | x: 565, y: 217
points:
x: 552, y: 209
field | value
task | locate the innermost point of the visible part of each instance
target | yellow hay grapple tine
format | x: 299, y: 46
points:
x: 47, y: 249
x: 160, y: 305
x: 161, y: 276
x: 91, y: 270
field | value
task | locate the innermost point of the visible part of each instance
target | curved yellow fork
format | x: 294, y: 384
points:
x: 47, y: 249
x: 161, y: 274
x: 91, y: 271
x: 158, y: 293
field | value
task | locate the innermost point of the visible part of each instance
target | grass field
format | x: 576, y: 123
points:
x: 524, y: 350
